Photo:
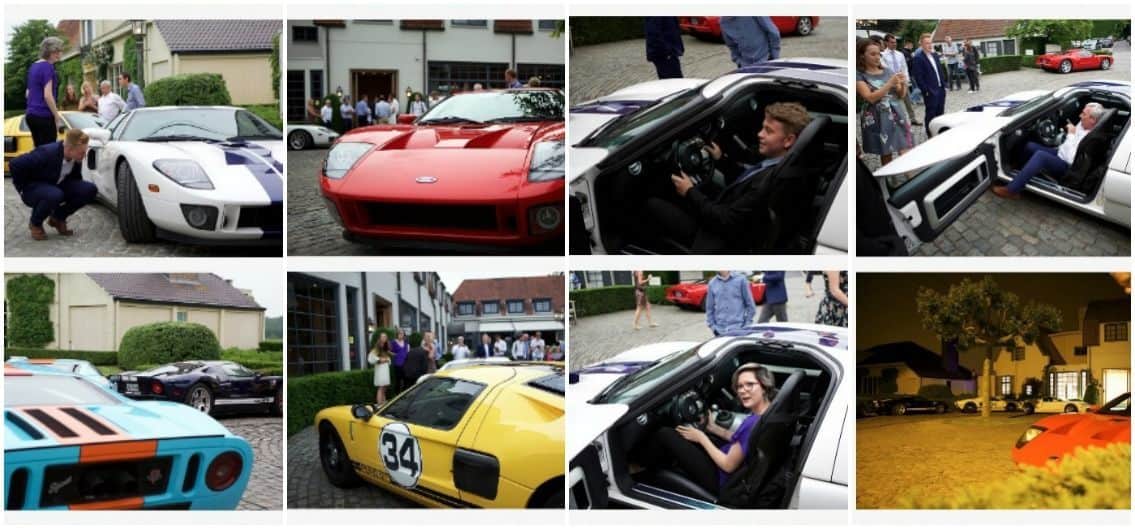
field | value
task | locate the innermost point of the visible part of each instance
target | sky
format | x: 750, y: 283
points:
x: 267, y: 289
x: 886, y: 310
x: 453, y: 279
x: 10, y: 25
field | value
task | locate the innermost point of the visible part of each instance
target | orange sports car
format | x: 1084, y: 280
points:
x: 1051, y: 438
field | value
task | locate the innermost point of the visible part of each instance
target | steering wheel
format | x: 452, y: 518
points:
x: 690, y: 157
x: 1049, y: 132
x: 688, y: 408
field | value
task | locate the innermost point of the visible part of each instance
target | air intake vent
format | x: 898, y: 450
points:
x: 23, y: 425
x: 55, y: 426
x: 88, y: 421
x: 191, y: 473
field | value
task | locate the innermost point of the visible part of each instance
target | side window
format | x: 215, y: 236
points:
x: 24, y: 124
x: 236, y: 370
x: 437, y: 403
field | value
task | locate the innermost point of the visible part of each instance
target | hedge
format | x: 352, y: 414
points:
x: 1092, y: 478
x: 254, y: 360
x: 95, y: 357
x: 269, y: 113
x: 594, y: 301
x: 271, y: 346
x: 309, y: 394
x: 188, y: 89
x: 1000, y: 63
x: 29, y: 300
x: 597, y: 30
x: 165, y: 342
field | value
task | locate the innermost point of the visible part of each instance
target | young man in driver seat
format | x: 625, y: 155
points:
x: 726, y: 222
x: 1053, y: 161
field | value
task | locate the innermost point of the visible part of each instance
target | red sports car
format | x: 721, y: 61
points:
x: 692, y: 295
x: 1050, y: 439
x: 1072, y: 60
x: 710, y: 27
x: 479, y: 169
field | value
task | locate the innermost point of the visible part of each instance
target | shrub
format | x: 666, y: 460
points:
x: 597, y: 30
x: 271, y: 346
x: 1092, y: 393
x: 1028, y: 61
x: 29, y: 318
x: 937, y: 392
x: 1102, y: 52
x: 309, y: 394
x: 188, y: 89
x: 1000, y: 63
x: 889, y: 384
x: 165, y: 342
x: 593, y: 301
x: 391, y: 334
x: 98, y: 358
x: 414, y: 340
x: 1092, y: 478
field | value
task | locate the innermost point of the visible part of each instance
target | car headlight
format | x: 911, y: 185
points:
x: 342, y: 157
x: 186, y: 173
x: 1031, y: 433
x: 547, y: 161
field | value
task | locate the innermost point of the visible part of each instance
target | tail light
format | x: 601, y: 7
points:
x: 223, y: 471
x: 156, y: 388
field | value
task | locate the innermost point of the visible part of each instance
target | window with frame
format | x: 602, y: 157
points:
x: 546, y: 25
x: 437, y: 403
x: 490, y: 306
x: 297, y: 104
x: 1018, y: 354
x: 1005, y: 385
x: 317, y: 84
x: 516, y: 306
x: 305, y: 34
x: 448, y: 77
x: 466, y: 308
x: 407, y: 316
x: 313, y: 326
x: 469, y: 23
x: 550, y: 75
x: 1115, y: 332
x: 542, y: 305
x: 182, y: 315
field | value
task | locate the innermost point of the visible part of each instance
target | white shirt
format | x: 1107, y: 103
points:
x: 951, y: 52
x: 537, y: 352
x: 501, y: 347
x: 1067, y: 150
x: 326, y: 114
x: 346, y: 111
x: 520, y: 350
x: 934, y: 63
x: 110, y: 105
x: 394, y: 107
x: 894, y: 60
x: 460, y: 351
x: 68, y: 165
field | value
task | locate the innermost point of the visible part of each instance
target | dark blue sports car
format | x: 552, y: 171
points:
x: 210, y: 386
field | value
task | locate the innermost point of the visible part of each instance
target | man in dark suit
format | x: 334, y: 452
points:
x: 664, y: 46
x: 726, y: 222
x: 484, y: 350
x: 417, y: 361
x: 926, y: 69
x: 49, y: 180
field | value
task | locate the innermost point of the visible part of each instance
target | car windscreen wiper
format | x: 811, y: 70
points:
x: 241, y: 139
x: 523, y: 119
x: 177, y: 137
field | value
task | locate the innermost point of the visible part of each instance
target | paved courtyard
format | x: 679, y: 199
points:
x: 308, y: 487
x: 97, y: 235
x: 600, y: 69
x: 265, y: 434
x: 1030, y: 226
x: 596, y: 338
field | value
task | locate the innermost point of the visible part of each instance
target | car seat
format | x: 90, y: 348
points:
x: 791, y: 191
x: 1090, y: 163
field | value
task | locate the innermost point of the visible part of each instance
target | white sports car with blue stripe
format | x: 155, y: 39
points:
x: 197, y: 174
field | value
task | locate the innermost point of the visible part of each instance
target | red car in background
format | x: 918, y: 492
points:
x: 710, y: 27
x: 1072, y: 60
x: 479, y: 170
x: 692, y: 295
x: 1051, y: 438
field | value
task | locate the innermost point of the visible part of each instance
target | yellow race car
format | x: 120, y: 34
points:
x: 474, y: 436
x: 18, y: 138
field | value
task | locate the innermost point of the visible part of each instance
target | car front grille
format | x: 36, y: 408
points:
x: 460, y: 217
x: 261, y: 216
x: 98, y: 482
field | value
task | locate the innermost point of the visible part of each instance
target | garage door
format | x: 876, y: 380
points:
x: 88, y: 329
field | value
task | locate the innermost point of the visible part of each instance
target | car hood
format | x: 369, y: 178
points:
x: 956, y: 142
x: 139, y: 420
x: 466, y: 163
x: 1105, y: 428
x: 236, y: 169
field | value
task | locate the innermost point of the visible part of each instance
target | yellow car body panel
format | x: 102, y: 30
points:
x: 520, y: 425
x: 24, y: 142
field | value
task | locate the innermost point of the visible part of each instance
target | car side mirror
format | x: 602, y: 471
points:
x: 257, y: 375
x: 100, y: 135
x: 406, y: 119
x: 362, y: 412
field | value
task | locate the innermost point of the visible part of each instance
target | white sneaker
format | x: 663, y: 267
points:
x: 970, y: 92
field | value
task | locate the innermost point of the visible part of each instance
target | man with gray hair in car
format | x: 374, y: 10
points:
x: 1054, y: 161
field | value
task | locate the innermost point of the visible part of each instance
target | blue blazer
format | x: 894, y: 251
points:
x: 41, y: 164
x: 775, y: 292
x: 923, y: 73
x: 663, y: 38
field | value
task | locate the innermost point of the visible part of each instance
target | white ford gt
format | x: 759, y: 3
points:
x: 304, y: 135
x: 798, y: 452
x: 201, y: 175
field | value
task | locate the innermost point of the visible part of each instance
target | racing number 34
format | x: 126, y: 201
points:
x: 401, y: 454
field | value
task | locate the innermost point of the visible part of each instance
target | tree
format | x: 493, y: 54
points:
x: 1061, y: 32
x: 911, y: 30
x: 274, y: 59
x: 23, y: 50
x: 979, y: 313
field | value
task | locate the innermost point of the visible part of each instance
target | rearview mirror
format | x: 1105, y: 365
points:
x: 362, y: 412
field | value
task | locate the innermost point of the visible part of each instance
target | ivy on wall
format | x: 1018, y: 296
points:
x: 29, y: 317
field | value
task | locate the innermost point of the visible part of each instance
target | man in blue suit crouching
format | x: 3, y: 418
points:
x: 49, y: 180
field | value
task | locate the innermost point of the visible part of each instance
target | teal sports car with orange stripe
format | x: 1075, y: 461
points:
x: 71, y: 444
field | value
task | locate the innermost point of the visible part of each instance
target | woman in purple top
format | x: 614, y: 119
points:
x: 705, y: 461
x: 42, y: 114
x: 400, y: 348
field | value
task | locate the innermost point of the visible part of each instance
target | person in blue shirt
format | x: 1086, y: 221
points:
x: 776, y: 298
x: 510, y: 80
x: 751, y: 40
x: 728, y: 302
x: 708, y: 462
x: 134, y: 97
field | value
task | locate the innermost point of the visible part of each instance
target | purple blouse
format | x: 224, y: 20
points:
x: 39, y: 74
x: 400, y: 352
x: 740, y: 436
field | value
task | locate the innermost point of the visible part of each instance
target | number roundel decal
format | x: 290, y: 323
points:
x: 401, y: 454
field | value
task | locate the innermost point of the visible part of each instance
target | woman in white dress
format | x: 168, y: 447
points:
x: 379, y: 357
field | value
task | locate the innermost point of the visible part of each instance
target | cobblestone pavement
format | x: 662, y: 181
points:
x: 308, y: 487
x: 596, y: 338
x: 265, y: 487
x: 600, y: 69
x: 1032, y: 225
x: 97, y: 235
x: 312, y: 231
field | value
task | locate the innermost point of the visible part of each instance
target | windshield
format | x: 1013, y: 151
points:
x: 82, y: 120
x: 1121, y: 405
x: 53, y: 391
x: 200, y: 124
x: 632, y: 126
x: 1027, y: 106
x: 489, y: 107
x: 642, y: 382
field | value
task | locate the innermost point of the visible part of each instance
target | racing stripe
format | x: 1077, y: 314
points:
x: 268, y: 172
x: 72, y: 426
x: 112, y: 505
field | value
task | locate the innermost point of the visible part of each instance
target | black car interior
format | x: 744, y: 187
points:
x: 1087, y: 171
x: 778, y: 445
x: 798, y: 196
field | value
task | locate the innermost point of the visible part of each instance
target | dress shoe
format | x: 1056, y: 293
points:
x: 1003, y: 192
x: 60, y: 226
x: 37, y: 232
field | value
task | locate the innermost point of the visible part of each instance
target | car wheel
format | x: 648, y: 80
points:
x: 940, y: 408
x: 333, y: 457
x: 1071, y: 408
x: 1105, y: 64
x: 200, y: 397
x: 970, y: 408
x: 1065, y: 66
x: 133, y: 221
x: 277, y: 406
x: 299, y: 140
x: 1030, y: 409
x: 1010, y: 407
x: 898, y: 409
x: 804, y: 26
